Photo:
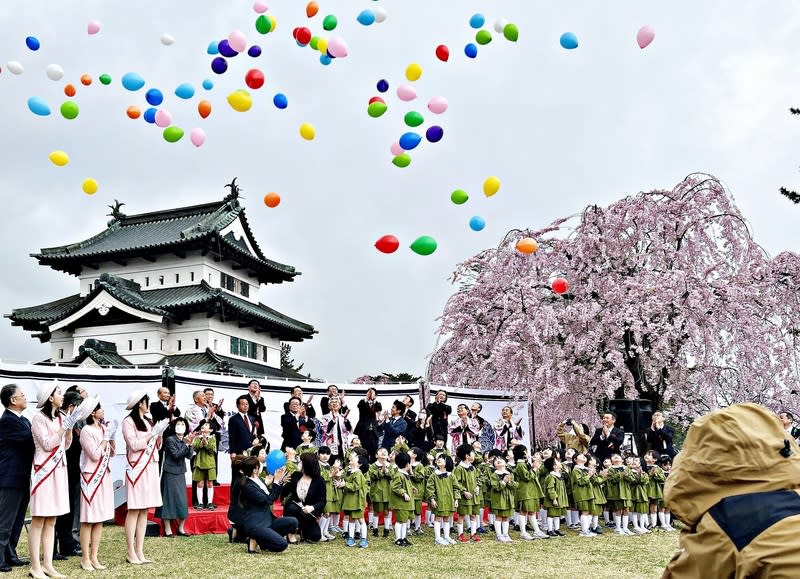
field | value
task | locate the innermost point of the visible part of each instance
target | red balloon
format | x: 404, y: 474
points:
x: 387, y: 244
x: 303, y: 35
x: 442, y: 53
x: 254, y: 78
x: 376, y: 99
x: 560, y: 285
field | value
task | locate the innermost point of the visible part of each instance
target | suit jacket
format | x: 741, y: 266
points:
x: 16, y: 451
x: 316, y: 495
x: 175, y: 454
x: 256, y: 506
x: 159, y: 411
x: 392, y: 428
x: 612, y: 443
x: 292, y: 428
x: 254, y: 410
x: 240, y: 438
x: 660, y: 440
x: 367, y: 425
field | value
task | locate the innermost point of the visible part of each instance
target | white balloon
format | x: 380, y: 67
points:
x: 167, y: 39
x: 54, y: 72
x: 15, y: 67
x: 380, y: 14
x: 499, y: 25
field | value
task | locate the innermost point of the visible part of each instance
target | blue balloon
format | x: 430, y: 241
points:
x: 150, y: 115
x: 219, y: 65
x: 132, y: 81
x: 280, y: 101
x: 471, y: 50
x: 568, y: 40
x: 225, y: 49
x: 477, y: 20
x: 477, y: 223
x: 434, y: 134
x: 409, y: 141
x: 33, y: 43
x: 383, y: 85
x: 154, y: 97
x: 325, y: 59
x: 38, y: 106
x: 275, y: 460
x: 207, y: 84
x: 184, y: 91
x: 254, y: 51
x: 213, y: 47
x: 366, y: 17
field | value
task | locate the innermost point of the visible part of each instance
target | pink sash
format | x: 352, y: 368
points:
x: 44, y: 470
x: 91, y: 483
x: 134, y: 471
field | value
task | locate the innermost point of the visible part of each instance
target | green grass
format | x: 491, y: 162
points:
x: 210, y: 556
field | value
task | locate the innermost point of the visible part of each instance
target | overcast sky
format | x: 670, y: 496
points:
x: 561, y: 129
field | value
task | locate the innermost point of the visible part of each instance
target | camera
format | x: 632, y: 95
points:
x: 568, y: 422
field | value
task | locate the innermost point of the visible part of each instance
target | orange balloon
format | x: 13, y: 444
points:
x: 204, y: 108
x: 272, y: 199
x: 134, y: 112
x: 69, y: 90
x: 527, y: 245
x: 86, y: 79
x: 311, y: 9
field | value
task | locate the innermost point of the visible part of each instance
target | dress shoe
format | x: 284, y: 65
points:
x: 19, y: 562
x: 5, y: 568
x: 184, y: 534
x: 59, y: 557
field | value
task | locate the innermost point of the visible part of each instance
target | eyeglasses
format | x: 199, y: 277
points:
x: 17, y: 395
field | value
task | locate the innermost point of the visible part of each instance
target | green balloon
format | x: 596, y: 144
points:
x: 511, y: 32
x: 263, y: 24
x: 484, y: 37
x: 173, y: 134
x: 413, y: 119
x: 105, y: 79
x: 329, y: 22
x: 424, y: 245
x: 314, y: 42
x: 376, y: 109
x: 402, y: 160
x: 459, y: 197
x: 69, y: 110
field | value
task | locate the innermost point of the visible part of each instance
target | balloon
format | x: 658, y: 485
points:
x: 500, y: 25
x: 406, y: 92
x: 173, y: 134
x: 150, y: 115
x: 184, y: 91
x: 442, y: 53
x: 132, y: 81
x: 89, y: 186
x: 413, y: 72
x: 311, y: 9
x: 259, y: 7
x: 219, y: 65
x: 527, y: 245
x: 477, y: 223
x: 383, y: 85
x: 483, y: 37
x: 409, y: 141
x: 272, y: 199
x: 376, y: 109
x: 437, y: 105
x: 322, y: 45
x: 254, y: 51
x: 366, y: 17
x: 33, y: 43
x: 325, y: 59
x: 58, y: 158
x: 263, y: 24
x: 424, y: 245
x: 225, y: 48
x: 237, y: 41
x: 204, y: 108
x: 307, y: 131
x: 167, y: 39
x: 207, y: 84
x: 471, y: 50
x: 559, y: 285
x: 491, y: 186
x: 376, y: 99
x: 69, y: 90
x: 402, y: 160
x: 105, y: 79
x: 459, y: 197
x: 396, y: 149
x: 314, y: 43
x: 645, y: 36
x: 329, y: 22
x: 337, y: 47
x: 86, y: 79
x: 275, y: 460
x: 213, y: 47
x: 413, y: 119
x: 93, y: 27
x: 154, y: 97
x: 15, y: 67
x: 197, y: 136
x: 38, y: 107
x: 477, y: 20
x: 380, y: 14
x: 163, y: 118
x: 69, y: 110
x: 54, y: 72
x: 387, y: 244
x: 240, y: 100
x: 133, y: 112
x: 511, y: 32
x: 434, y: 134
x: 280, y: 101
x: 254, y: 78
x: 303, y: 35
x: 568, y: 40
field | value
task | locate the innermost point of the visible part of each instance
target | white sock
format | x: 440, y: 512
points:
x: 323, y: 524
x: 364, y: 529
x: 481, y: 514
x: 504, y: 527
x: 618, y: 521
x: 625, y: 522
x: 210, y: 492
x: 437, y: 529
x: 491, y: 518
x: 522, y: 521
x: 634, y: 521
x: 473, y: 525
x: 661, y: 519
x: 653, y: 519
x: 595, y: 521
x: 460, y: 525
x: 668, y: 518
x: 351, y: 531
x: 557, y: 523
x: 387, y: 520
x: 417, y: 521
x: 373, y: 520
x: 584, y: 524
x: 606, y: 517
x: 398, y: 531
x: 550, y: 524
x: 447, y: 525
x: 534, y: 523
x: 335, y: 519
x: 498, y: 528
x: 542, y: 514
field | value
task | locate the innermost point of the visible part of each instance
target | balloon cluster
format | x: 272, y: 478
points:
x: 483, y: 36
x: 423, y: 245
x: 334, y: 47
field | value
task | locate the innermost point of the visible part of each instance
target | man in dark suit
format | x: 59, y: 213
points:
x: 16, y: 460
x: 659, y: 436
x: 164, y: 407
x: 394, y: 426
x: 608, y: 438
x: 241, y: 429
x: 256, y: 405
x: 367, y: 426
x: 294, y: 424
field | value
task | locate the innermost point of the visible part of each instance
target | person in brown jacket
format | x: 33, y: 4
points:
x: 573, y: 435
x: 736, y: 488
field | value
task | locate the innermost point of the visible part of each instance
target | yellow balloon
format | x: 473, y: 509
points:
x: 59, y: 158
x: 240, y: 100
x: 89, y: 186
x: 413, y: 72
x: 322, y: 45
x: 491, y: 186
x: 273, y: 22
x: 307, y: 131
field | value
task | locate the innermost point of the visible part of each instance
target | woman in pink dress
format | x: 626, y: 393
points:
x: 97, y: 492
x: 142, y: 441
x: 52, y: 435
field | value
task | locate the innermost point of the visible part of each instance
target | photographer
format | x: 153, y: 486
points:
x: 659, y: 436
x: 573, y: 435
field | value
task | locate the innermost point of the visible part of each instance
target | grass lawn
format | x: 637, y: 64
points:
x: 210, y: 556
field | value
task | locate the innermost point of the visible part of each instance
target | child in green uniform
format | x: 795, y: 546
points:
x: 419, y: 476
x: 555, y: 496
x: 354, y: 499
x: 484, y: 476
x: 439, y: 446
x: 466, y: 476
x: 528, y: 494
x: 502, y: 488
x: 582, y: 493
x: 205, y: 470
x: 307, y: 445
x: 618, y: 492
x: 476, y: 446
x: 400, y: 445
x: 401, y: 498
x: 664, y: 514
x: 655, y: 485
x: 292, y: 462
x: 598, y: 480
x: 442, y: 494
x: 573, y: 519
x: 332, y: 474
x: 379, y: 475
x: 639, y: 499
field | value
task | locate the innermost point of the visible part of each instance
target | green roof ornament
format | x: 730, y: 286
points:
x: 116, y: 214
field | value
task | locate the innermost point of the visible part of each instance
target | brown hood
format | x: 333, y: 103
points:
x: 730, y: 452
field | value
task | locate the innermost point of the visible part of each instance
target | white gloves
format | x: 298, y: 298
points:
x: 68, y: 422
x: 160, y: 426
x: 111, y: 430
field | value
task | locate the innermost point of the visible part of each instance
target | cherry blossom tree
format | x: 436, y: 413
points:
x: 669, y: 299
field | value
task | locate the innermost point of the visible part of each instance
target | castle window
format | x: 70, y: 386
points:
x: 245, y: 289
x: 161, y: 280
x: 177, y: 278
x: 179, y: 345
x: 191, y: 276
x: 196, y: 344
x: 244, y: 348
x: 61, y: 353
x: 161, y: 346
x: 130, y: 345
x: 145, y: 343
x: 147, y: 282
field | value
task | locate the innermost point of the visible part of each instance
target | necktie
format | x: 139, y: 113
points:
x: 247, y: 423
x: 205, y: 412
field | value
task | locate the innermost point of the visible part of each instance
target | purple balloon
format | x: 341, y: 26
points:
x: 434, y: 134
x: 254, y: 51
x: 383, y: 85
x: 225, y: 49
x: 219, y: 65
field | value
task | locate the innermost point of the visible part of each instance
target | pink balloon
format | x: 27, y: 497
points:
x: 197, y: 136
x: 337, y: 47
x: 396, y: 149
x: 260, y: 7
x: 93, y: 27
x: 406, y: 92
x: 163, y: 118
x: 645, y: 36
x: 437, y: 105
x: 237, y: 40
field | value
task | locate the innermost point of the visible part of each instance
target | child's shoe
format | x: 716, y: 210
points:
x: 351, y: 542
x: 363, y: 544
